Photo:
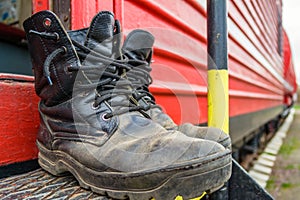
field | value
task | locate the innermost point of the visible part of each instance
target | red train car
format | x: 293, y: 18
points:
x: 261, y: 73
x: 289, y: 73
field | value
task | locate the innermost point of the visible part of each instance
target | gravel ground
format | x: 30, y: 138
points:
x: 284, y: 182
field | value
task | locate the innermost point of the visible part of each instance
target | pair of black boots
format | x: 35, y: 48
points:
x: 100, y: 122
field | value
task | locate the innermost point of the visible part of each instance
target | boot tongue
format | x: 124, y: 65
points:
x: 101, y: 38
x: 138, y: 45
x: 101, y: 32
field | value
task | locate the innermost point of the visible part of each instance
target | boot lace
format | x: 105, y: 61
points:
x: 113, y: 81
x: 139, y: 76
x: 52, y: 55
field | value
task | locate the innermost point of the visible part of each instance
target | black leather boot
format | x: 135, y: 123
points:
x: 138, y: 49
x: 92, y: 127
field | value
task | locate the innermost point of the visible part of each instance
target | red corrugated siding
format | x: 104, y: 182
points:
x: 245, y: 23
x: 82, y: 11
x: 289, y: 71
x: 254, y: 59
x: 180, y: 32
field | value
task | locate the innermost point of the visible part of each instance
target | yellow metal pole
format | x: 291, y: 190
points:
x: 218, y: 109
x: 217, y: 96
x: 218, y: 115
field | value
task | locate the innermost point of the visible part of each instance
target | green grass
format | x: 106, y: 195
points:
x: 286, y: 185
x: 297, y: 106
x: 288, y: 147
x: 270, y: 183
x: 290, y: 166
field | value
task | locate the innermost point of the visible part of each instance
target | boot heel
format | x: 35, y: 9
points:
x: 50, y: 162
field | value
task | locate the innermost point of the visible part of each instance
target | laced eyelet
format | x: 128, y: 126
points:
x: 67, y: 70
x: 64, y: 49
x: 47, y: 22
x: 95, y: 107
x: 104, y: 118
x: 57, y: 36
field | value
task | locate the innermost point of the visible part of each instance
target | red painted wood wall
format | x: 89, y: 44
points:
x: 19, y: 119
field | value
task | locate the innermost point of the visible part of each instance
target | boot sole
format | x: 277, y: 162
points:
x: 188, y: 181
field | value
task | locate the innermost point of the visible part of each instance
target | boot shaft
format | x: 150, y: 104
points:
x: 52, y: 53
x: 65, y: 109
